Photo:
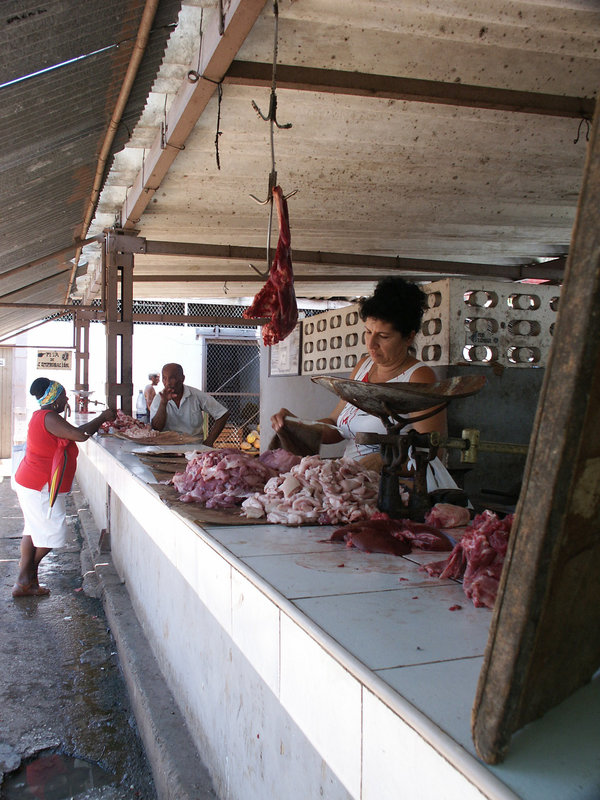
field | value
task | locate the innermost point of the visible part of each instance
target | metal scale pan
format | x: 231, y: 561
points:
x: 396, y: 400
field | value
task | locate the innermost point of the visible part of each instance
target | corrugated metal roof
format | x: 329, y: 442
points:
x: 52, y: 126
x: 407, y: 177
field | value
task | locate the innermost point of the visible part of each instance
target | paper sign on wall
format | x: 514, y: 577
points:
x: 54, y: 359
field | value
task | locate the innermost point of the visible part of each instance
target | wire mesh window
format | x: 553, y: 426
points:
x: 233, y: 378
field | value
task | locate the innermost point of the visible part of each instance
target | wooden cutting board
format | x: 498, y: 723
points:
x: 198, y: 513
x: 161, y: 438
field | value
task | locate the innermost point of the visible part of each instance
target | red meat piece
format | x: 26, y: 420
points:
x: 477, y: 558
x: 277, y: 298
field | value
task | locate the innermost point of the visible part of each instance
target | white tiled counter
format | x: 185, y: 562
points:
x: 306, y: 670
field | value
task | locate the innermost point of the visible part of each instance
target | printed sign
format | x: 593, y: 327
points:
x: 54, y: 359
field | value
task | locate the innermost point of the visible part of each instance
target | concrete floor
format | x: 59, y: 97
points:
x: 61, y: 687
x: 77, y: 676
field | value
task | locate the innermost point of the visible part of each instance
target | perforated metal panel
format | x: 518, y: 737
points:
x: 466, y: 322
x: 332, y: 341
x: 487, y: 322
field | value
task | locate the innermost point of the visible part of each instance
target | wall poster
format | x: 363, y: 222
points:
x: 284, y: 357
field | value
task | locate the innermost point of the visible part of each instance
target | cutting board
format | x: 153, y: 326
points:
x: 198, y: 513
x: 161, y: 438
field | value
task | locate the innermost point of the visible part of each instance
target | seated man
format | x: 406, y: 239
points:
x: 180, y: 408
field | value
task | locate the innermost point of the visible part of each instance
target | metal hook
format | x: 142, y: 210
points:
x: 264, y: 203
x: 258, y: 272
x: 272, y: 115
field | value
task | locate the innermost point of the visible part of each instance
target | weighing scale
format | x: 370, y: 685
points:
x: 397, y: 405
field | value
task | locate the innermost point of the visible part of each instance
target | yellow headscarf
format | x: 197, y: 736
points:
x: 51, y: 393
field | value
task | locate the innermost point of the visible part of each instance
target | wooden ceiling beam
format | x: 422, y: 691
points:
x: 217, y: 48
x: 497, y: 273
x: 309, y: 79
x: 549, y: 270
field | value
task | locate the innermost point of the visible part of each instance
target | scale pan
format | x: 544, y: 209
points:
x: 380, y: 399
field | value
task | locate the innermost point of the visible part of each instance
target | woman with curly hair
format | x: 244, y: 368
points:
x: 392, y: 318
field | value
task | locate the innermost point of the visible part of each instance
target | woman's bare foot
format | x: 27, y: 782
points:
x: 30, y: 590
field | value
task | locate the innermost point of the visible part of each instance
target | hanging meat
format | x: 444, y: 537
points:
x: 277, y: 298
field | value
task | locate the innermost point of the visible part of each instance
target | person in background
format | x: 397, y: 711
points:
x: 392, y: 318
x: 150, y: 391
x: 181, y: 408
x: 47, y: 433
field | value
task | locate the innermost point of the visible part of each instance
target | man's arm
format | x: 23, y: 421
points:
x: 216, y: 429
x: 159, y: 420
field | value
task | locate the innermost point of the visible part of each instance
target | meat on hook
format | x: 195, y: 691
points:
x: 277, y: 298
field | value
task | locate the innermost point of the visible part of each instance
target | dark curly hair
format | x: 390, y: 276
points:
x: 397, y: 302
x: 39, y: 386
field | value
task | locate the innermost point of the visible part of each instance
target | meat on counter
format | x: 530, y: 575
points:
x: 322, y: 491
x: 224, y: 478
x: 123, y: 423
x: 446, y: 515
x: 478, y: 558
x: 381, y: 534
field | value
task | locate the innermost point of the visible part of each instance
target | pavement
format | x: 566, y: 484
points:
x: 78, y: 679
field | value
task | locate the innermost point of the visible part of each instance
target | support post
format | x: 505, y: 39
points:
x: 81, y: 336
x: 117, y: 258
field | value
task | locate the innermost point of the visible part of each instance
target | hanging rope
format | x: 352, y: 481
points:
x: 218, y: 133
x: 271, y: 118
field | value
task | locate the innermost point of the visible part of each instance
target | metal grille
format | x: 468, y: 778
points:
x: 233, y: 378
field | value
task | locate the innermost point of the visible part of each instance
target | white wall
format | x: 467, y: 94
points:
x: 300, y: 395
x: 153, y: 346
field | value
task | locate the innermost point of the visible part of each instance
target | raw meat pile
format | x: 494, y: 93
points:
x: 277, y: 298
x: 380, y: 534
x: 478, y: 558
x: 126, y: 424
x: 328, y: 492
x: 224, y: 478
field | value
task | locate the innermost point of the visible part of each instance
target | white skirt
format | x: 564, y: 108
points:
x: 34, y: 504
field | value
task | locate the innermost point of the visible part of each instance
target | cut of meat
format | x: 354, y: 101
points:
x: 477, y: 558
x: 446, y: 515
x: 380, y: 534
x: 221, y: 478
x: 277, y: 298
x: 123, y: 423
x: 324, y: 491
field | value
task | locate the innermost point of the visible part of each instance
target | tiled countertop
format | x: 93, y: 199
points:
x: 396, y: 621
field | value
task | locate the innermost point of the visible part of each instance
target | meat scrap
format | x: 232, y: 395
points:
x: 322, y: 491
x: 277, y: 298
x: 222, y: 478
x: 477, y: 558
x: 381, y: 534
x: 446, y: 515
x: 123, y: 423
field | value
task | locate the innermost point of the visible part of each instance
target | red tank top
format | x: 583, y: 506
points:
x: 35, y: 469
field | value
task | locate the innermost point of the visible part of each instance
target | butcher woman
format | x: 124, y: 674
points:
x: 392, y: 318
x: 48, y: 435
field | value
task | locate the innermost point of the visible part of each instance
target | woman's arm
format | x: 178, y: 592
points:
x: 58, y: 426
x: 329, y: 435
x: 438, y: 421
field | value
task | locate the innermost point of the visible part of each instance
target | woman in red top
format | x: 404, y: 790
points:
x: 47, y: 432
